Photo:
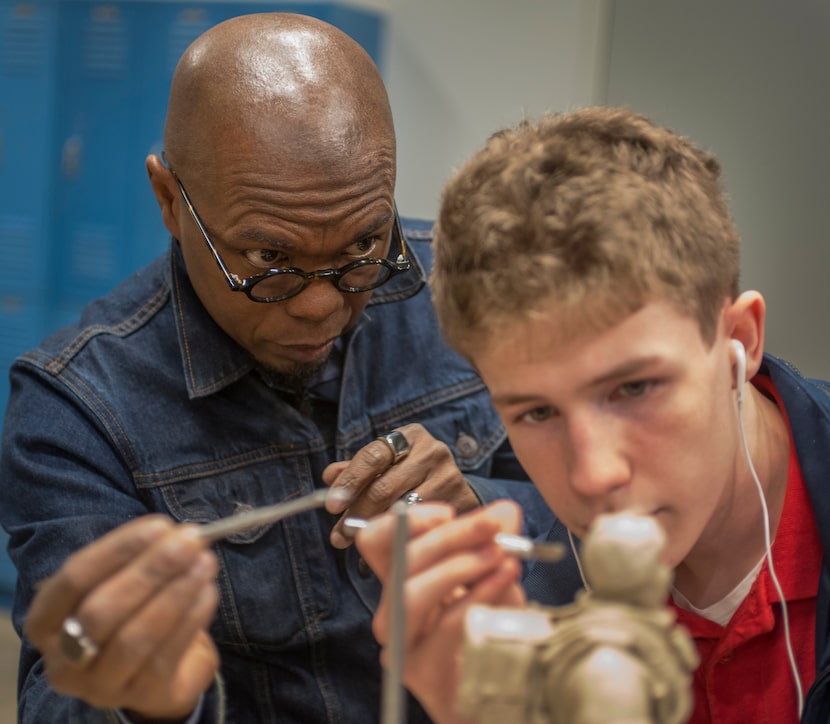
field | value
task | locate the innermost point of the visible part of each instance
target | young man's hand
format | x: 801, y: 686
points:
x: 452, y: 563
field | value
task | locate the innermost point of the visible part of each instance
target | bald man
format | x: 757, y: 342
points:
x: 283, y: 345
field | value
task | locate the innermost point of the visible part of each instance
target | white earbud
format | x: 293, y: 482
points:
x: 740, y: 361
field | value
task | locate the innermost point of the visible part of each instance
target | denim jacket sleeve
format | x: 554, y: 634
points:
x: 68, y: 489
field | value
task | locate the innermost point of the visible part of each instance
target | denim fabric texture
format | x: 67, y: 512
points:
x: 146, y: 405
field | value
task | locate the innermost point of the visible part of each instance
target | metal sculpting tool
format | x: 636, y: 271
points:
x: 392, y: 693
x: 517, y: 545
x: 222, y: 528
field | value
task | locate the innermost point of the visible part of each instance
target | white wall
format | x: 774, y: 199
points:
x: 749, y: 80
x: 457, y: 70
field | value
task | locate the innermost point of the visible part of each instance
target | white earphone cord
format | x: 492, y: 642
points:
x: 768, y: 549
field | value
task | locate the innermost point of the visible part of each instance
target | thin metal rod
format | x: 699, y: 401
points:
x: 392, y: 695
x: 529, y: 550
x: 517, y: 545
x: 240, y: 522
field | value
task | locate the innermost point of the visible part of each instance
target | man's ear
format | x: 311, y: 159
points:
x: 744, y: 319
x: 166, y: 193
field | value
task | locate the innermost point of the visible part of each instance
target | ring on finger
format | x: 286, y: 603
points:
x: 397, y: 443
x: 411, y: 497
x: 75, y: 643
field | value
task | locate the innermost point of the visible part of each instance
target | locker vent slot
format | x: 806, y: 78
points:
x: 23, y: 42
x: 106, y: 43
x: 17, y: 255
x: 93, y: 250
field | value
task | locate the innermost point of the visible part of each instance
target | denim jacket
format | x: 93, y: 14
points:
x: 146, y: 405
x: 808, y: 409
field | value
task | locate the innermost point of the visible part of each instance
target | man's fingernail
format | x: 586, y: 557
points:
x: 338, y: 540
x: 338, y: 500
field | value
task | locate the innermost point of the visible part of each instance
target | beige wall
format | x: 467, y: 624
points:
x: 749, y: 80
x: 457, y: 70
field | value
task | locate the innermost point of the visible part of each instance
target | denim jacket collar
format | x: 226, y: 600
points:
x: 211, y: 360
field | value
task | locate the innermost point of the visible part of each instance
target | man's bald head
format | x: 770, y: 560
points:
x: 277, y: 83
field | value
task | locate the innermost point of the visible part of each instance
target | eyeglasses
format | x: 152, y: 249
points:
x: 277, y: 285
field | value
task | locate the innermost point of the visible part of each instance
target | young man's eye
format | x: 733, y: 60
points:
x: 537, y: 414
x: 635, y: 389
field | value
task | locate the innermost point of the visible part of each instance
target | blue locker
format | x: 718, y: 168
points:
x: 95, y: 123
x: 28, y: 34
x: 27, y: 82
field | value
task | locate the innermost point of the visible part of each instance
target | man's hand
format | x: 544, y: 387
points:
x: 145, y: 595
x: 452, y: 563
x: 375, y: 481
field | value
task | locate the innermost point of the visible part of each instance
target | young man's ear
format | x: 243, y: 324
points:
x: 745, y: 324
x: 166, y: 193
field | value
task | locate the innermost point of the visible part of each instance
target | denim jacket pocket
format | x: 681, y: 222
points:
x: 462, y: 418
x: 275, y: 581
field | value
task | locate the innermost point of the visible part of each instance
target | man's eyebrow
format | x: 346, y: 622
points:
x: 371, y: 228
x: 258, y: 237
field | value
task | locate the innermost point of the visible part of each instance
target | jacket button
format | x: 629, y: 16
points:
x: 363, y: 568
x: 466, y: 445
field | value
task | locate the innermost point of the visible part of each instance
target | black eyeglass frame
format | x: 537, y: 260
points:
x: 237, y: 284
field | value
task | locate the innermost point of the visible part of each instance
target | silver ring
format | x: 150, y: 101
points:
x: 412, y: 498
x: 397, y: 443
x: 75, y: 644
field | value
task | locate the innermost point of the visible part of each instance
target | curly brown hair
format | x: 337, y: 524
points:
x: 588, y: 216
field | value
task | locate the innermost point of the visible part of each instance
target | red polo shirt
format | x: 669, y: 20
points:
x: 744, y: 674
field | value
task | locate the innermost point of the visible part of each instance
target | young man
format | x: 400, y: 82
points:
x: 258, y: 361
x: 588, y: 267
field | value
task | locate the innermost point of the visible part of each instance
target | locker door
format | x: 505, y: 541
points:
x: 27, y: 33
x: 95, y: 129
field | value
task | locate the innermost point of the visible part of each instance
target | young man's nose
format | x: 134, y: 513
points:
x: 597, y: 464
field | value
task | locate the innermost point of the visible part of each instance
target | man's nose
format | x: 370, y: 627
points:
x: 318, y: 301
x: 598, y: 463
